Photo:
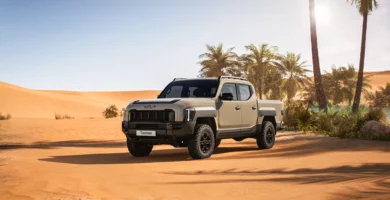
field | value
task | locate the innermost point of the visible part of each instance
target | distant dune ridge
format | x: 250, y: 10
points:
x: 27, y: 103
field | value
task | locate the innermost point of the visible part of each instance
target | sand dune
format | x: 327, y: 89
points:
x: 378, y: 79
x: 28, y: 103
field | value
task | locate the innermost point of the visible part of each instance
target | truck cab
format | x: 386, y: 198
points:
x: 198, y: 113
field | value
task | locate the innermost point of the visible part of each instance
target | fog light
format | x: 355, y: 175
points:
x: 171, y: 116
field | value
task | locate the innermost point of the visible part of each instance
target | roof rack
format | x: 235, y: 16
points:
x: 176, y: 79
x: 232, y: 77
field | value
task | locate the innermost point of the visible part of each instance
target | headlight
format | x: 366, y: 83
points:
x: 171, y: 116
x: 189, y: 114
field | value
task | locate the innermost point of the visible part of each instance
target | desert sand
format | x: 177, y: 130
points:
x: 87, y: 159
x: 27, y: 103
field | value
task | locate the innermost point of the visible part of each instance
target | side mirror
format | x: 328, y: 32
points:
x: 226, y: 96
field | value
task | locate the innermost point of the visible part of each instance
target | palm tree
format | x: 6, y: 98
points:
x: 364, y: 7
x: 294, y: 71
x: 217, y: 62
x: 257, y: 64
x: 349, y: 82
x: 321, y: 98
x: 341, y: 82
x: 273, y: 80
x: 379, y: 98
x: 309, y: 94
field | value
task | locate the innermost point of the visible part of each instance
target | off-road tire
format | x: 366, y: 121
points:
x: 202, y: 142
x: 266, y: 138
x: 139, y: 149
x: 217, y: 143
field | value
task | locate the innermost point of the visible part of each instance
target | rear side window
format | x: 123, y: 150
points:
x: 230, y: 88
x: 244, y: 92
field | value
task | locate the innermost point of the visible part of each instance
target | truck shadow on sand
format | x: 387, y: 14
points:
x: 65, y: 143
x: 160, y: 155
x: 374, y: 176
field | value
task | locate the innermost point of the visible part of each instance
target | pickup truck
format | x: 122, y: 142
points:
x: 198, y: 113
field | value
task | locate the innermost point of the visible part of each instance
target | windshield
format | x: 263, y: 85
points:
x: 191, y: 89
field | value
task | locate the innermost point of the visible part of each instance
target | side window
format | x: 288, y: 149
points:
x: 230, y: 88
x: 244, y: 92
x: 174, y: 91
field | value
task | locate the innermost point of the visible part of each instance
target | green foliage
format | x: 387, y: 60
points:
x: 305, y: 121
x: 337, y: 122
x: 110, y: 112
x: 59, y: 116
x: 340, y: 84
x: 293, y: 114
x: 375, y: 114
x: 258, y: 65
x: 323, y: 120
x: 379, y: 98
x: 217, y: 62
x: 364, y: 6
x: 5, y: 117
x: 294, y: 71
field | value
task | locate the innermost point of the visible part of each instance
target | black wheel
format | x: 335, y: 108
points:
x: 139, y: 149
x: 201, y: 144
x: 217, y: 143
x: 266, y: 139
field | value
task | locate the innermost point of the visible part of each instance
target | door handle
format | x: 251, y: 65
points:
x: 253, y: 107
x: 238, y: 107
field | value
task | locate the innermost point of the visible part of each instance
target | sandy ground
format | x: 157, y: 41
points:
x: 87, y: 159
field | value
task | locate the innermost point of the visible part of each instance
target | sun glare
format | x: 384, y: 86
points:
x: 323, y: 15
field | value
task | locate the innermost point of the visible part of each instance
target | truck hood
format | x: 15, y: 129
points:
x: 176, y: 104
x: 186, y: 102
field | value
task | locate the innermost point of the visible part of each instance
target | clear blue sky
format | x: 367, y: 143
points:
x: 95, y: 45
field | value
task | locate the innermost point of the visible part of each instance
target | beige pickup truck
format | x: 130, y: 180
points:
x: 198, y: 113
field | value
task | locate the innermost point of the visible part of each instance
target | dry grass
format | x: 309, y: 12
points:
x: 58, y: 116
x: 5, y: 117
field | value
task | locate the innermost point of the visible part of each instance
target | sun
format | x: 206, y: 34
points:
x: 323, y: 15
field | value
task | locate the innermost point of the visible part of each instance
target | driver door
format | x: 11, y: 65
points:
x: 229, y: 113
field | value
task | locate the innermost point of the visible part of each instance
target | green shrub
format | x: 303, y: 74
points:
x: 376, y: 114
x: 293, y: 112
x: 110, y: 112
x: 305, y: 121
x: 337, y: 122
x: 5, y: 117
x: 345, y: 125
x: 58, y: 116
x: 323, y: 120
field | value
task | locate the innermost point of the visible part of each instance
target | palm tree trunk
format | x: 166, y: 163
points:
x: 359, y: 84
x: 321, y: 98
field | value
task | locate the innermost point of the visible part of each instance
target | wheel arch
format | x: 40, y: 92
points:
x: 270, y: 119
x: 210, y: 121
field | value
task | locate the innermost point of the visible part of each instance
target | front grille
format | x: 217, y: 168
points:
x: 149, y: 115
x: 146, y: 126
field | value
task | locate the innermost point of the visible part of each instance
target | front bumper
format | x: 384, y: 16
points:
x: 166, y: 133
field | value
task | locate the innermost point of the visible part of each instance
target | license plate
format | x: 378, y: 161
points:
x: 145, y: 133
